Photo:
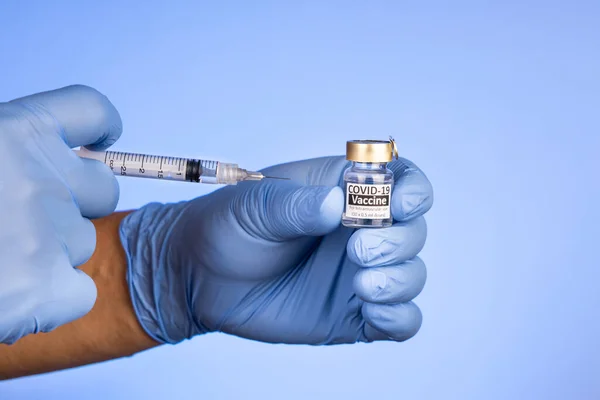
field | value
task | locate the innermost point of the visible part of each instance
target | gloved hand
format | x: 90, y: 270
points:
x: 47, y: 194
x: 269, y: 261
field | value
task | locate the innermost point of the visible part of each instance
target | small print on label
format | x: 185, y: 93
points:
x: 368, y: 201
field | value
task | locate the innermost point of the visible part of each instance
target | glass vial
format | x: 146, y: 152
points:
x: 368, y: 184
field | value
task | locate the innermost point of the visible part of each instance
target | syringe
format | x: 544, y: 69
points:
x: 172, y: 168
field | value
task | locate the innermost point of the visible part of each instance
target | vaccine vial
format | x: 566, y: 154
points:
x: 368, y: 183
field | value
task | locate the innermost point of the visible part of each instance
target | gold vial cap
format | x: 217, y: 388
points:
x: 371, y: 150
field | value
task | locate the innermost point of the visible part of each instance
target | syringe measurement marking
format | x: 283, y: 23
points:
x: 111, y: 162
x: 128, y: 164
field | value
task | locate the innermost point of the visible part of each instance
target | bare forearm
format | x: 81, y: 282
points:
x: 110, y: 330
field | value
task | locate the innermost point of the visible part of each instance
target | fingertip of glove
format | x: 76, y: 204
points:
x: 411, y: 198
x: 66, y: 301
x: 86, y: 117
x: 370, y: 284
x: 102, y: 114
x: 79, y: 297
x: 293, y: 210
x: 399, y: 322
x: 320, y: 209
x: 324, y: 209
x: 332, y: 206
x: 359, y: 249
x: 111, y: 188
x: 96, y: 188
x: 84, y: 292
x: 314, y: 210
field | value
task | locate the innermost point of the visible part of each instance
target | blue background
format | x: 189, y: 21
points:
x: 498, y: 102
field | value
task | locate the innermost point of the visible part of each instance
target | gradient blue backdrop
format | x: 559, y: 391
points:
x: 497, y: 102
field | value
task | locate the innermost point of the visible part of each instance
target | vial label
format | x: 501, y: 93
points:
x: 368, y: 201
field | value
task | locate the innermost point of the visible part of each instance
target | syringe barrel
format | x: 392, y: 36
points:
x: 162, y: 167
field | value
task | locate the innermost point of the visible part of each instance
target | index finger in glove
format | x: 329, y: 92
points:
x: 387, y: 246
x: 94, y: 187
x: 82, y: 115
x: 413, y: 193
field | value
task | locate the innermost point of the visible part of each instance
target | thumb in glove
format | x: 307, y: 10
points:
x: 283, y: 211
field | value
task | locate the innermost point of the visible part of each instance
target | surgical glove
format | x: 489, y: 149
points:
x: 269, y: 261
x: 47, y: 194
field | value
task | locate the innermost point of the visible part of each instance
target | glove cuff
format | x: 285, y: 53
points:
x: 158, y: 289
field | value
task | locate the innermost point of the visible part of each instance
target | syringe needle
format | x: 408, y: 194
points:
x: 276, y: 177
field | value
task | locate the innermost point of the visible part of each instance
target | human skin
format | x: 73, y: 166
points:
x: 109, y: 331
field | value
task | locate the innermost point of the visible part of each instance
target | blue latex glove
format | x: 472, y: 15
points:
x: 47, y: 194
x: 270, y: 261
